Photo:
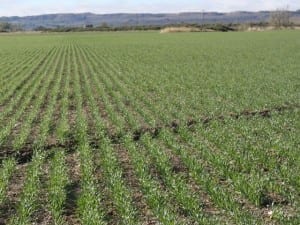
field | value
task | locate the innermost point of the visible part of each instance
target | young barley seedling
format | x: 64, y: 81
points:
x: 6, y: 172
x: 58, y: 181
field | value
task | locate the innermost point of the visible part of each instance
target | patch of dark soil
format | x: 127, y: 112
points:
x: 7, y: 211
x: 115, y: 137
x: 153, y: 131
x: 191, y: 122
x: 205, y: 120
x: 247, y: 113
x: 177, y: 164
x: 72, y: 114
x: 22, y: 157
x: 269, y: 199
x: 72, y: 190
x: 138, y: 133
x: 174, y: 126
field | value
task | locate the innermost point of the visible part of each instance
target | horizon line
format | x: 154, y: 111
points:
x: 134, y: 13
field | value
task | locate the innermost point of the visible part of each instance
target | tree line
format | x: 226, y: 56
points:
x: 278, y: 18
x: 10, y: 27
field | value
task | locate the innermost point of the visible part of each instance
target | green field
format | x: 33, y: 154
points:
x: 148, y: 128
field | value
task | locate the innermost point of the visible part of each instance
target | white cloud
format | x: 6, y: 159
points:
x: 258, y: 5
x: 34, y: 7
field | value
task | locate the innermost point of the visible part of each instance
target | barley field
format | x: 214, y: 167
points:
x: 147, y: 128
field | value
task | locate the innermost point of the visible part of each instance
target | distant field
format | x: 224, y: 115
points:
x: 149, y: 128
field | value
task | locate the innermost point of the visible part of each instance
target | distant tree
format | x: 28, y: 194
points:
x: 104, y: 25
x: 40, y: 28
x: 280, y: 17
x: 5, y: 27
x: 10, y: 27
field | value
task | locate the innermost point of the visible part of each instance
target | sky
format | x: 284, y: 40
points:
x: 37, y: 7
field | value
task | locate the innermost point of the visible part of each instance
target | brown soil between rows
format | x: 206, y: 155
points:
x: 179, y: 168
x: 35, y: 126
x: 43, y: 216
x: 110, y: 212
x: 268, y: 200
x: 73, y: 188
x: 139, y: 201
x: 9, y: 208
x: 17, y: 88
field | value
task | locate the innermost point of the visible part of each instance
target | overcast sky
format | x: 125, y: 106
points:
x: 36, y: 7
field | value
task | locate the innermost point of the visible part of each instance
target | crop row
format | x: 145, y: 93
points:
x: 76, y: 108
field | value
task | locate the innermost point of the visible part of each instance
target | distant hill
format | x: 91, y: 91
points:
x: 121, y: 19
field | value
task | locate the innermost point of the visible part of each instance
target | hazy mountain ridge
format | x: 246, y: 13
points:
x: 121, y: 19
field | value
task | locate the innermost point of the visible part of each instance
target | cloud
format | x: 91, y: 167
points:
x: 35, y: 7
x: 257, y: 5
